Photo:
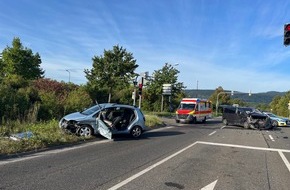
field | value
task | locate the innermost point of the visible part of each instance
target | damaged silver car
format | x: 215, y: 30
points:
x: 105, y: 119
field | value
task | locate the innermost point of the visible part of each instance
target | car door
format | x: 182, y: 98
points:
x: 230, y: 115
x: 241, y: 116
x: 103, y: 129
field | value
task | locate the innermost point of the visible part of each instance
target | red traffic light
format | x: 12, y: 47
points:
x: 286, y: 34
x: 140, y: 89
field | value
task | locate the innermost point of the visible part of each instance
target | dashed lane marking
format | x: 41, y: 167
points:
x: 272, y: 139
x: 212, y: 133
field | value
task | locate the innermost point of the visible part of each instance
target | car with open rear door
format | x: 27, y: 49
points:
x: 106, y: 119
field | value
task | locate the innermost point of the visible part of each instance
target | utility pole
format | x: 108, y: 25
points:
x: 68, y: 75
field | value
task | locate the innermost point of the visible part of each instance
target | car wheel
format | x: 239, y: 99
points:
x: 85, y: 131
x: 177, y: 121
x: 225, y: 121
x: 275, y: 124
x: 204, y: 120
x: 194, y: 120
x: 136, y: 131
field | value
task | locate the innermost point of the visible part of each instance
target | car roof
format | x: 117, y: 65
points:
x: 107, y: 105
x: 267, y: 112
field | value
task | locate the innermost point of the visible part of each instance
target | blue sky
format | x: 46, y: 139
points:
x: 236, y: 44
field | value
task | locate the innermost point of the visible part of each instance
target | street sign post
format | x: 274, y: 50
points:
x: 166, y: 90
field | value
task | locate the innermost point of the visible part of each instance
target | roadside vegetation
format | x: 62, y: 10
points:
x: 46, y: 134
x: 31, y: 102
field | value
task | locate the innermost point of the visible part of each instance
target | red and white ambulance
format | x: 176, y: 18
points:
x: 192, y: 110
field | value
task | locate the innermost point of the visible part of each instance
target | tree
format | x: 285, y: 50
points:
x: 279, y: 105
x: 238, y: 102
x: 20, y: 61
x: 152, y: 95
x: 114, y: 70
x: 77, y: 100
x: 223, y: 97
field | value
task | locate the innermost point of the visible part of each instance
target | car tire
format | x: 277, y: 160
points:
x: 85, y: 131
x: 136, y: 132
x: 194, y: 120
x: 225, y: 121
x: 275, y: 124
x: 204, y: 120
x: 177, y: 121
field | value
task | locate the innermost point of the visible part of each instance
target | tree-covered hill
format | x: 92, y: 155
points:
x: 257, y: 98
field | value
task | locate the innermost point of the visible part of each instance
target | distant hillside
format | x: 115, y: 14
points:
x: 257, y: 98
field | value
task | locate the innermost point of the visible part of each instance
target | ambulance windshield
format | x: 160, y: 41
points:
x: 187, y: 106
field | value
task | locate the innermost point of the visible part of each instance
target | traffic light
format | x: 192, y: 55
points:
x: 140, y: 89
x: 286, y: 34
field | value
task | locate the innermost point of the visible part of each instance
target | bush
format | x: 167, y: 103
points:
x: 77, y: 100
x: 152, y: 121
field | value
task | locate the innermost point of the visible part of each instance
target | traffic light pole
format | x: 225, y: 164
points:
x: 140, y: 92
x: 134, y: 96
x: 140, y: 100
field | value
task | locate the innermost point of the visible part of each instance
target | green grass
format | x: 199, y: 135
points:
x: 45, y: 134
x: 153, y: 121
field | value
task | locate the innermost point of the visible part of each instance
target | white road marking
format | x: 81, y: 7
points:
x: 245, y: 147
x: 126, y: 181
x: 210, y: 186
x: 161, y: 129
x: 272, y: 139
x: 40, y: 154
x: 223, y: 127
x: 212, y: 133
x: 121, y: 184
x: 280, y: 151
x: 284, y: 160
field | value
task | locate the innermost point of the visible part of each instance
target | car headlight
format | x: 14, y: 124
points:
x: 64, y: 123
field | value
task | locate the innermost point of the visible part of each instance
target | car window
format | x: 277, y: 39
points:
x: 247, y: 110
x: 91, y: 110
x: 257, y: 111
x: 229, y: 110
x: 271, y: 115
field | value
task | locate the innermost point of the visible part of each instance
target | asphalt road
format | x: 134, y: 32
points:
x: 178, y: 156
